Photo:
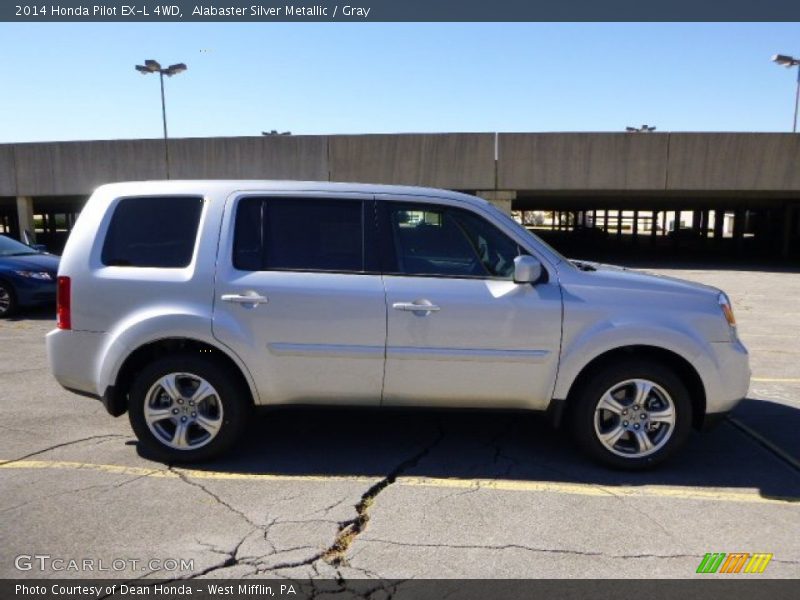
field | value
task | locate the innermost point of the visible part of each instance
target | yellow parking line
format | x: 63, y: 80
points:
x: 575, y: 489
x: 776, y: 379
x: 170, y: 473
x: 588, y: 489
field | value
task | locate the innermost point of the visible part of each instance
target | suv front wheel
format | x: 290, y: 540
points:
x: 187, y: 408
x: 632, y: 415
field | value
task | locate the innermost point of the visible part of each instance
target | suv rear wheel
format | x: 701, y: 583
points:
x: 187, y: 408
x: 632, y: 415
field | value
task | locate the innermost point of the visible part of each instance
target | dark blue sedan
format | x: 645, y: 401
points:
x: 27, y: 276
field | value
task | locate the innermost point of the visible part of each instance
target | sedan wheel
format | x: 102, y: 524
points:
x: 7, y: 300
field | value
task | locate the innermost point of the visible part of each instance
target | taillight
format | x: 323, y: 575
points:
x: 63, y: 303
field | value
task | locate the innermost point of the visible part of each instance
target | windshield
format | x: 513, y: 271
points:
x: 9, y: 247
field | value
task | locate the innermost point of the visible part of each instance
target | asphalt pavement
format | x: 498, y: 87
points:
x: 400, y: 494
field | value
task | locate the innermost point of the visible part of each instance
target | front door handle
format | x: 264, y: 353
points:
x: 418, y: 306
x: 252, y: 298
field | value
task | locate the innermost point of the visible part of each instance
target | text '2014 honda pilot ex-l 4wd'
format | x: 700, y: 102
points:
x: 187, y: 303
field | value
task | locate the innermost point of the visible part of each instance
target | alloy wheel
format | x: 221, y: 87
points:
x: 5, y: 300
x: 183, y: 411
x: 634, y: 418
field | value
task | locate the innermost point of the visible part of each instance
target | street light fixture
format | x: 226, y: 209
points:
x: 153, y: 66
x: 789, y: 62
x: 642, y: 129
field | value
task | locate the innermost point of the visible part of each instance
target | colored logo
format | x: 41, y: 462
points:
x: 735, y: 562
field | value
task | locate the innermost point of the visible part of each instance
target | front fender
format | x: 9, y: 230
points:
x: 146, y: 327
x: 612, y: 335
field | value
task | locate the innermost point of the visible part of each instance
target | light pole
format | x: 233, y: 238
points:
x: 153, y: 66
x: 789, y: 62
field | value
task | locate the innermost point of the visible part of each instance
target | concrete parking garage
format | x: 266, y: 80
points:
x: 750, y: 179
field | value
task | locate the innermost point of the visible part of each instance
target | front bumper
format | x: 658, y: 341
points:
x: 728, y: 381
x: 33, y: 292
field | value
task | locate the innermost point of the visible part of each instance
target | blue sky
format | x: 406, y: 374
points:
x: 77, y: 81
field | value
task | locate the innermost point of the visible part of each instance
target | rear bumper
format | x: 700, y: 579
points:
x: 73, y: 358
x: 114, y: 404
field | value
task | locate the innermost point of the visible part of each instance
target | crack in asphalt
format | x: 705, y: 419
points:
x: 498, y: 442
x: 187, y: 480
x: 329, y: 508
x: 503, y: 547
x: 75, y: 491
x: 648, y: 517
x: 351, y: 529
x: 62, y: 445
x: 337, y: 553
x: 230, y: 560
x: 334, y: 555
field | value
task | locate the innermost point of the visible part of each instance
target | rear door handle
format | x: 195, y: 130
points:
x: 420, y: 306
x: 244, y: 298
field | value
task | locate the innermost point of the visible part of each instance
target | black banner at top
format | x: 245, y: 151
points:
x: 397, y: 10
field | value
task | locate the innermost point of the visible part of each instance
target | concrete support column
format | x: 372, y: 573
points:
x: 738, y: 228
x: 500, y: 198
x: 787, y: 231
x: 25, y: 217
x: 704, y: 225
x: 676, y: 229
x: 653, y: 227
x: 719, y: 224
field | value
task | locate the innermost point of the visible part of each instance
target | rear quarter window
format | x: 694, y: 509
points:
x: 152, y: 231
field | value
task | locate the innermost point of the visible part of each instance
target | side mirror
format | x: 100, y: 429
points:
x: 527, y: 269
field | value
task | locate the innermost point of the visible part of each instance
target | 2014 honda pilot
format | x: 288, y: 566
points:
x: 188, y: 303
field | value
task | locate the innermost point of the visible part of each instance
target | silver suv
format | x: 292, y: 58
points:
x: 187, y: 303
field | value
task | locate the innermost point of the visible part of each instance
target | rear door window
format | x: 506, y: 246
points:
x: 153, y: 231
x: 299, y: 234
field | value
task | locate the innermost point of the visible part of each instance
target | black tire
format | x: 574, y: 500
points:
x: 231, y: 395
x: 7, y: 292
x: 584, y: 403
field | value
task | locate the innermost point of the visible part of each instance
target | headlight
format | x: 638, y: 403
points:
x: 727, y: 309
x: 42, y: 275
